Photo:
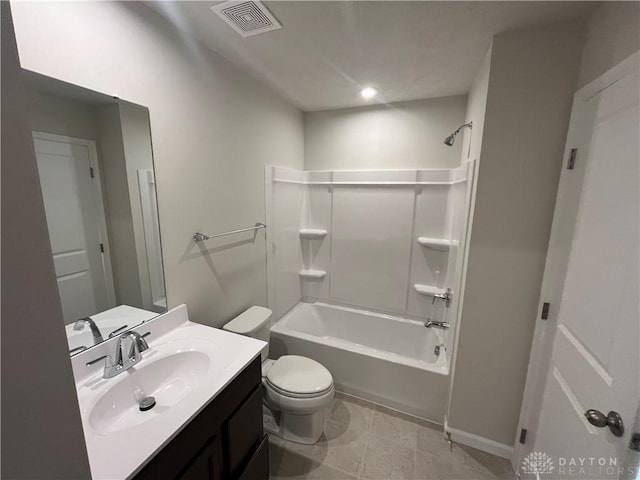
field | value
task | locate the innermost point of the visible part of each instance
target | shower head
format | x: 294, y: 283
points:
x: 450, y: 140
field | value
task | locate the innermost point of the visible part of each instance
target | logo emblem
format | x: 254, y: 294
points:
x: 537, y: 463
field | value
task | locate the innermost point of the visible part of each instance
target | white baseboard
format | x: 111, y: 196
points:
x: 481, y: 443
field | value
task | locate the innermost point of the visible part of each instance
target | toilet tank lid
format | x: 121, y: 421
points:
x: 249, y: 321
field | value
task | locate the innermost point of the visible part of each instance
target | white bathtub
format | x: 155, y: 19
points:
x: 383, y: 358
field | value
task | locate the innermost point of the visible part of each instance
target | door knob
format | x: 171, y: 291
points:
x: 613, y: 420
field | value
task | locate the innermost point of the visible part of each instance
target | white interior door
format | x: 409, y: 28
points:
x: 595, y: 361
x: 70, y: 184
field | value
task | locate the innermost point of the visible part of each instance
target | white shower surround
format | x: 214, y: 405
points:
x: 368, y: 262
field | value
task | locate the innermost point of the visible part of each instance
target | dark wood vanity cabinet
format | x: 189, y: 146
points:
x: 225, y: 441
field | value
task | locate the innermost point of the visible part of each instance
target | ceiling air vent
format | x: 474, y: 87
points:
x: 247, y: 18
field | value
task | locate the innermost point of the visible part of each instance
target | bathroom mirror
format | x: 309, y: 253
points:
x: 95, y: 163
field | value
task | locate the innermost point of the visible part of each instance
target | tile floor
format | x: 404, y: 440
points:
x: 369, y: 442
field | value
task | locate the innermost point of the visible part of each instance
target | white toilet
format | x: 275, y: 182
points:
x: 298, y: 389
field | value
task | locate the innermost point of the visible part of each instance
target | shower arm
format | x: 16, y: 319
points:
x: 470, y: 125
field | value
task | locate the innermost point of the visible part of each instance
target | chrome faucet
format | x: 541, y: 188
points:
x: 447, y: 296
x: 122, y: 363
x: 435, y: 323
x: 95, y: 331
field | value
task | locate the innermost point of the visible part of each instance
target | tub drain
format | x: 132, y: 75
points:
x: 147, y: 403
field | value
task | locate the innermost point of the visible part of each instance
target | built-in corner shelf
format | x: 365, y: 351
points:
x: 428, y: 290
x: 437, y: 243
x: 312, y: 274
x: 312, y: 233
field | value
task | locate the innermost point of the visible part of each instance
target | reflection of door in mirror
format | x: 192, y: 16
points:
x: 72, y: 194
x: 95, y: 164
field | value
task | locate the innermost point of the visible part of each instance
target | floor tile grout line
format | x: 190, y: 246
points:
x: 338, y: 469
x: 366, y: 443
x: 415, y: 457
x: 391, y: 440
x: 364, y: 453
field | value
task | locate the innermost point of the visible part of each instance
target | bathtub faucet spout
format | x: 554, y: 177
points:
x: 435, y: 323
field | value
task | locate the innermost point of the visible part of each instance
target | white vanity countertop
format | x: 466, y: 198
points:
x: 119, y: 445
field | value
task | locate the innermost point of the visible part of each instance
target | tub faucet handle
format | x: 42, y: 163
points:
x: 435, y: 323
x: 446, y: 296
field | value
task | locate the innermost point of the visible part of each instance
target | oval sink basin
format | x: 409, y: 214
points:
x: 170, y: 379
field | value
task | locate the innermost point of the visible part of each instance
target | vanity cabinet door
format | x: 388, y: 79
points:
x: 207, y: 465
x: 258, y: 466
x: 244, y: 431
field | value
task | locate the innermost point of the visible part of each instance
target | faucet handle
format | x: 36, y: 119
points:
x: 108, y: 362
x: 117, y: 331
x: 77, y: 349
x: 436, y: 323
x: 447, y: 296
x: 141, y: 342
x: 138, y: 344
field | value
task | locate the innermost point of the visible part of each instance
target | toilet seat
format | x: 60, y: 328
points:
x: 298, y: 405
x: 296, y: 395
x: 299, y: 377
x: 298, y: 385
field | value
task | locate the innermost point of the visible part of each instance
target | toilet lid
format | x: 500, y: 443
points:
x: 300, y: 375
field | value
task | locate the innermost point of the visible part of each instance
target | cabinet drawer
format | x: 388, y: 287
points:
x: 258, y: 466
x: 244, y: 430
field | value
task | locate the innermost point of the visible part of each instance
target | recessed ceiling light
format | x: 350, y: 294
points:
x: 368, y: 92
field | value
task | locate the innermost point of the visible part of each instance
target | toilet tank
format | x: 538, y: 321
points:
x: 253, y: 323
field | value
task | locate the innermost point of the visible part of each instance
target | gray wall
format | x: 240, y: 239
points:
x: 136, y: 139
x: 120, y: 221
x: 613, y: 33
x: 213, y: 127
x: 400, y: 135
x: 472, y: 149
x: 41, y: 429
x: 52, y: 114
x: 532, y: 79
x: 476, y: 109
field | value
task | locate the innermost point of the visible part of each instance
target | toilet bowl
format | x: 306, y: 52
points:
x: 297, y: 389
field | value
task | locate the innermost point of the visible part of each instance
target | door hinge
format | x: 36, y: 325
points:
x: 102, y: 248
x: 572, y: 159
x: 545, y: 311
x: 91, y: 172
x: 523, y: 435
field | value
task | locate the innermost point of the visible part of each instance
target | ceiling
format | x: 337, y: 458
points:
x: 327, y: 51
